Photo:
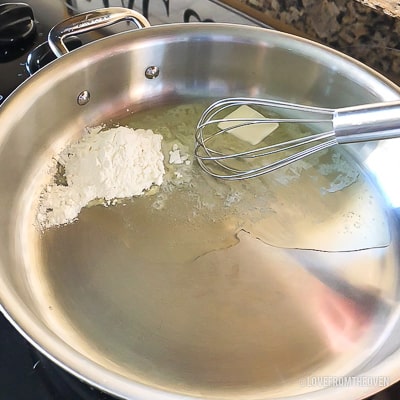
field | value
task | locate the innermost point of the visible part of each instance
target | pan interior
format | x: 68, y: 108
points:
x: 222, y: 289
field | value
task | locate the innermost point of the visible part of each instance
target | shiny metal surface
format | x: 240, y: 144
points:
x: 89, y: 21
x: 148, y: 305
x: 323, y: 128
x: 364, y: 123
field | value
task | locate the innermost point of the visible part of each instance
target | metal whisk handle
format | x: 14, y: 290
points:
x: 367, y: 122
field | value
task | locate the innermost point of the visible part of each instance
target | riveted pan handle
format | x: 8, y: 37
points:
x: 90, y: 21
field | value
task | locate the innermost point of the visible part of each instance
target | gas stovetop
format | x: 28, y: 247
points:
x: 25, y: 374
x: 24, y: 27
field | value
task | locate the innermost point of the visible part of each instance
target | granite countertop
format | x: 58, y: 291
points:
x: 368, y: 30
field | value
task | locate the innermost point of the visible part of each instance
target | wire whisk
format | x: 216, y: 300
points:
x: 235, y: 148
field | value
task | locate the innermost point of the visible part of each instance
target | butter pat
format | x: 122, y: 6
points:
x: 252, y: 134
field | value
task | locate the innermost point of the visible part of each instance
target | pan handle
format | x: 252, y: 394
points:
x: 89, y: 21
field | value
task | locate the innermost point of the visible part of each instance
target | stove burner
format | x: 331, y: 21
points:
x: 43, y: 55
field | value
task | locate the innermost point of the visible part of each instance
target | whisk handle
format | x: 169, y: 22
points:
x: 367, y: 122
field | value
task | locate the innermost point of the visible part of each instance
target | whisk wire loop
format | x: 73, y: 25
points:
x: 230, y: 173
x: 324, y: 127
x: 219, y: 157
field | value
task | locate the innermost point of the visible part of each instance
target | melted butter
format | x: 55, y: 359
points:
x: 200, y: 287
x: 324, y: 202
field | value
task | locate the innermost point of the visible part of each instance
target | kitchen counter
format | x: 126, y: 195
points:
x: 368, y: 30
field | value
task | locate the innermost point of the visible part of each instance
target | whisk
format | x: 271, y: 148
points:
x: 303, y: 130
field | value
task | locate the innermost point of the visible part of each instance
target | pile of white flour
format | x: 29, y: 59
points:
x: 104, y: 164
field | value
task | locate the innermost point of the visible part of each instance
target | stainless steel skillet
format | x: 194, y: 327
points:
x: 287, y: 288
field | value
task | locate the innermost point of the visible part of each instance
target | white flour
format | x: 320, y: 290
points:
x: 110, y: 164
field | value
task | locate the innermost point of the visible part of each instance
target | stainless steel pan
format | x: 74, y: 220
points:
x: 285, y: 287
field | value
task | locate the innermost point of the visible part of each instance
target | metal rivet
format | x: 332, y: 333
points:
x: 152, y: 72
x: 83, y: 98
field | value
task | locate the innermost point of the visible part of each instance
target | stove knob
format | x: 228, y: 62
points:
x: 17, y: 24
x: 17, y: 30
x: 42, y: 54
